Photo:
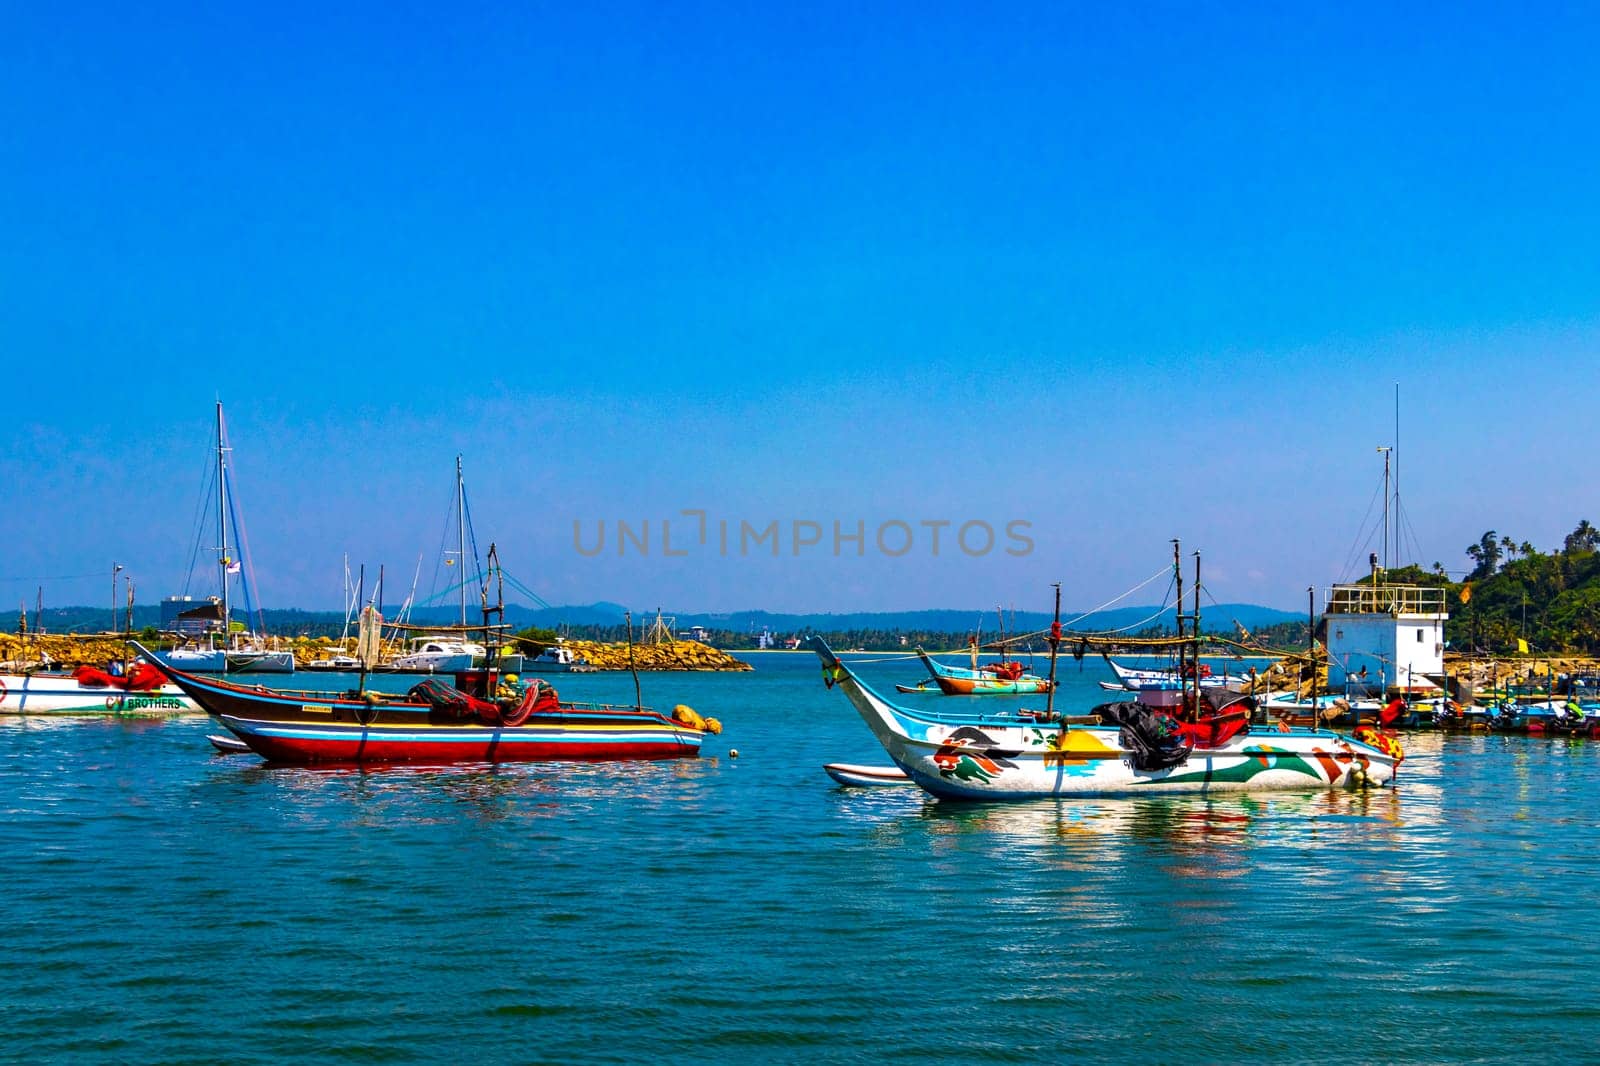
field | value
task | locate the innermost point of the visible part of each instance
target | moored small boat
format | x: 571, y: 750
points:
x: 91, y: 692
x: 994, y: 679
x: 439, y: 723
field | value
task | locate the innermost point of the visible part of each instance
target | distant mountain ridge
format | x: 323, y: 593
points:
x: 1216, y: 618
x: 946, y: 620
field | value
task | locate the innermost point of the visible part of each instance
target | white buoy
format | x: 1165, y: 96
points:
x: 733, y: 753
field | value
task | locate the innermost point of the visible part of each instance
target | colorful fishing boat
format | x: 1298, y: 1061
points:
x: 437, y: 722
x: 89, y: 691
x: 1021, y: 754
x: 991, y: 679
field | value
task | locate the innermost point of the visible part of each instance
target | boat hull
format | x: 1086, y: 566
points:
x: 62, y: 694
x: 1012, y: 757
x: 534, y: 741
x: 220, y: 661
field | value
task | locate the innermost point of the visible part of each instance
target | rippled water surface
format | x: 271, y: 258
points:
x: 161, y: 902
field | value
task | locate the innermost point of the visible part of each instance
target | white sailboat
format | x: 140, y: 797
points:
x: 235, y: 652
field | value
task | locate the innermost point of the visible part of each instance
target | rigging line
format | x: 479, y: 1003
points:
x: 208, y: 484
x: 1362, y: 541
x: 516, y: 584
x: 1416, y: 543
x: 444, y: 540
x: 52, y: 577
x: 1125, y: 595
x: 1142, y: 622
x: 472, y: 539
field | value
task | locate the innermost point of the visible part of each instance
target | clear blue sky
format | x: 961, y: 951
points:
x: 1122, y: 273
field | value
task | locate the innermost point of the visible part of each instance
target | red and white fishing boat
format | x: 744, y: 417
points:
x: 437, y: 722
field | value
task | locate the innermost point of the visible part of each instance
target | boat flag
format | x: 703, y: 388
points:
x: 1466, y: 593
x: 1522, y: 646
x: 233, y: 567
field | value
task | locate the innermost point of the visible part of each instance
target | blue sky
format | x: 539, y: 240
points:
x: 1124, y: 275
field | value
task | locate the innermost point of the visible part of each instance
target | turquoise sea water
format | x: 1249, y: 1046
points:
x: 163, y: 903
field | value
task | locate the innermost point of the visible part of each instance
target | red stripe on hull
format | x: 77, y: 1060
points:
x: 378, y: 749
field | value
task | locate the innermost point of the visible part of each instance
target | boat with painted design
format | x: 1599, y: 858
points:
x: 479, y: 722
x: 1021, y: 754
x: 991, y: 679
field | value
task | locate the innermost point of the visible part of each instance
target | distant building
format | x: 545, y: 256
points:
x: 189, y: 617
x: 1385, y: 637
x: 699, y: 633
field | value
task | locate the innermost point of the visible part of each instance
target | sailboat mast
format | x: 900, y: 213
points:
x: 461, y: 538
x: 222, y: 524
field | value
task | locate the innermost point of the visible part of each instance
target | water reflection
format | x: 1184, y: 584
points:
x: 488, y: 791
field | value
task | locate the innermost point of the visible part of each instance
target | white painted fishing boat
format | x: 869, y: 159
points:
x: 89, y: 693
x: 1015, y: 754
x: 1133, y: 679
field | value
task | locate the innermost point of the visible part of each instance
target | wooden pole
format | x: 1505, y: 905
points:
x: 1183, y: 650
x: 1196, y: 619
x: 638, y: 698
x: 1311, y: 650
x: 1055, y: 644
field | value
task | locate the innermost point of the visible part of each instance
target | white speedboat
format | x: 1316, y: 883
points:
x: 440, y: 655
x: 556, y: 659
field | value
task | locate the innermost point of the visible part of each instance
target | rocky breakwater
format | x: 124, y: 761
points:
x: 61, y: 649
x: 668, y: 655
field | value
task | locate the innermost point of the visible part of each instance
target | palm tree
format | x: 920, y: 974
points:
x: 1585, y: 538
x: 1486, y: 554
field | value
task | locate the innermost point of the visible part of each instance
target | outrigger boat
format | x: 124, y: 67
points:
x: 436, y: 723
x: 1119, y: 749
x: 1021, y: 755
x: 89, y: 691
x: 992, y: 679
x: 483, y: 717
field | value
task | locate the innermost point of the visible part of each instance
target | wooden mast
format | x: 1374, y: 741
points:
x: 1183, y: 650
x: 1196, y: 620
x: 1055, y: 644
